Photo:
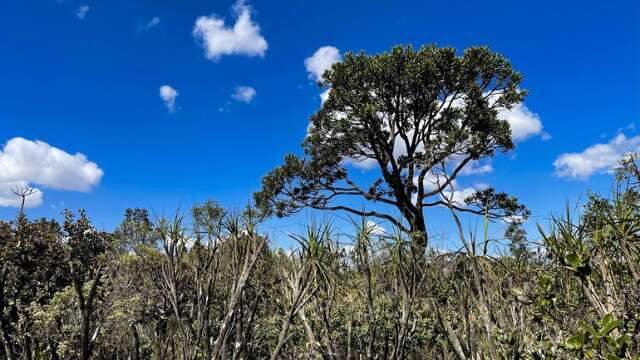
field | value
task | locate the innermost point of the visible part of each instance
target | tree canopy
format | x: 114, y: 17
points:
x: 419, y: 117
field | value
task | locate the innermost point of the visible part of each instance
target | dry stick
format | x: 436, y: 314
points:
x: 630, y: 262
x: 324, y: 310
x: 170, y: 283
x: 366, y: 269
x: 349, y: 338
x: 451, y: 335
x: 203, y: 298
x: 244, y: 334
x: 301, y: 294
x: 488, y: 324
x: 610, y: 300
x: 250, y: 261
x: 169, y: 275
x: 310, y: 334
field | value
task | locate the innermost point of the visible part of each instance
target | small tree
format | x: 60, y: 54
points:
x: 84, y: 247
x: 418, y: 117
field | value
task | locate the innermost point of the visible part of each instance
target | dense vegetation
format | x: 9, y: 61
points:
x: 209, y: 284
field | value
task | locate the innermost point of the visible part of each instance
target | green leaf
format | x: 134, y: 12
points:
x: 624, y: 339
x: 574, y: 260
x: 575, y: 342
x: 607, y: 324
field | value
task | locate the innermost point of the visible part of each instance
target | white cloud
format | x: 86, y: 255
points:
x: 82, y: 11
x: 324, y: 96
x: 321, y: 60
x: 450, y: 194
x: 25, y: 162
x: 169, y: 95
x: 597, y: 158
x: 243, y: 38
x: 475, y: 167
x: 524, y: 123
x: 364, y: 164
x: 514, y: 219
x: 244, y: 94
x: 155, y: 21
x: 457, y: 197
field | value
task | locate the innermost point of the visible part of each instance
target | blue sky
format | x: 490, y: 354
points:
x: 85, y: 77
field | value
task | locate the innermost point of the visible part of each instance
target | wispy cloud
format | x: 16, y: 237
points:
x: 155, y: 21
x: 244, y: 94
x: 82, y: 11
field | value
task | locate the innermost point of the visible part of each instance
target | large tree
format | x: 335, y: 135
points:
x: 418, y: 117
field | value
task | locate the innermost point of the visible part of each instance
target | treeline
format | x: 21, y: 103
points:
x: 210, y: 286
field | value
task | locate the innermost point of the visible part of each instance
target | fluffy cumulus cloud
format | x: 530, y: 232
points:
x: 26, y: 163
x: 82, y: 11
x: 476, y: 167
x: 243, y: 38
x: 168, y: 95
x: 453, y: 193
x: 244, y: 94
x: 597, y: 158
x: 321, y: 60
x: 524, y: 123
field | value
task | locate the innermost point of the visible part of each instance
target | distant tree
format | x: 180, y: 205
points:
x: 23, y: 193
x: 418, y: 117
x: 517, y: 236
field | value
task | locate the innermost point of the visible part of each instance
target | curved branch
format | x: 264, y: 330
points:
x: 376, y: 214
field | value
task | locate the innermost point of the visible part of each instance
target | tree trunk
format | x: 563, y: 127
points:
x: 419, y: 236
x: 86, y: 308
x: 136, y: 341
x: 85, y: 353
x: 7, y: 346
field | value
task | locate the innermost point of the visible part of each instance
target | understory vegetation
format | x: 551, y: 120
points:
x: 210, y: 286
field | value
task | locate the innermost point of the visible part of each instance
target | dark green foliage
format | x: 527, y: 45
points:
x: 412, y: 114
